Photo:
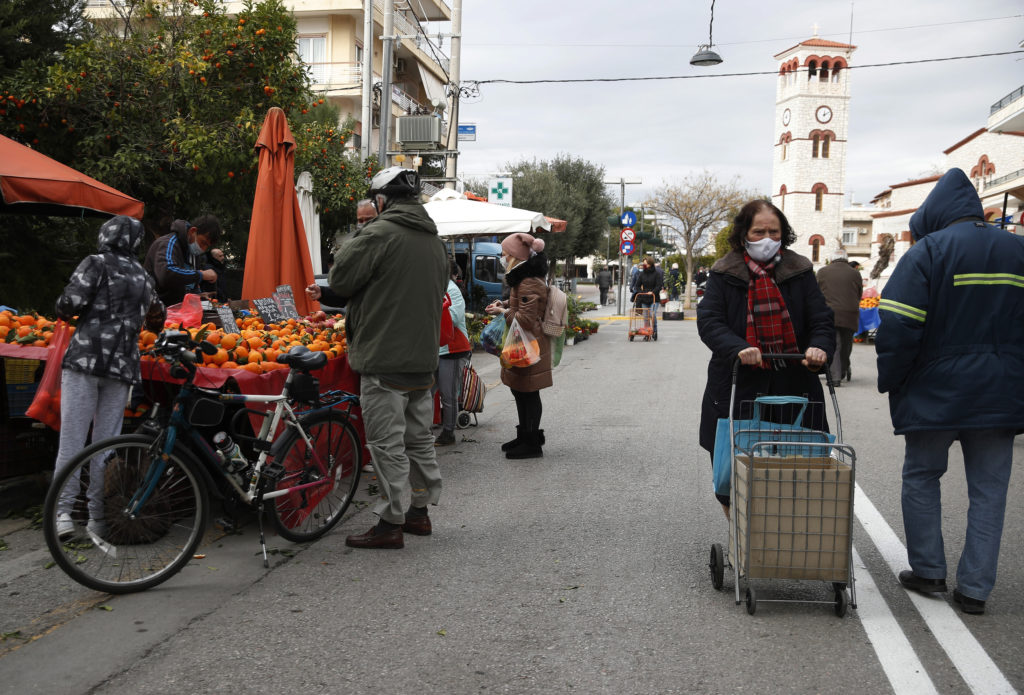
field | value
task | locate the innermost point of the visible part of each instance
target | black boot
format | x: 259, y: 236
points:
x: 512, y: 442
x: 528, y: 446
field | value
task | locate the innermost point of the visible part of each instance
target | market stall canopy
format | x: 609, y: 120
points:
x: 454, y: 215
x: 557, y: 225
x: 32, y: 183
x: 277, y: 253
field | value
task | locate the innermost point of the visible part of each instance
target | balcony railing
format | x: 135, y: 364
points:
x: 1007, y: 100
x: 1003, y: 179
x: 334, y: 76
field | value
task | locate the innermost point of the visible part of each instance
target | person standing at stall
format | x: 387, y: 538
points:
x: 453, y: 356
x: 112, y: 296
x: 173, y: 259
x: 393, y: 274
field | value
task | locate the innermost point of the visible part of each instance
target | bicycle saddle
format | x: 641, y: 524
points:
x: 303, y: 358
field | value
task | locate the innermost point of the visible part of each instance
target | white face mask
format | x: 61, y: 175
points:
x: 504, y: 263
x: 763, y: 250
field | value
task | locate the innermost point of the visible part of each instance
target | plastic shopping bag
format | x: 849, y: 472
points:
x: 557, y: 345
x: 521, y: 349
x: 493, y: 335
x: 45, y: 406
x: 188, y: 314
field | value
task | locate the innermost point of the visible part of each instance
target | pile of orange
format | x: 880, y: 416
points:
x: 869, y: 303
x: 25, y: 329
x: 255, y: 346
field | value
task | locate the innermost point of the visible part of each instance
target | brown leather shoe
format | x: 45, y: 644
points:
x: 377, y: 539
x: 417, y: 525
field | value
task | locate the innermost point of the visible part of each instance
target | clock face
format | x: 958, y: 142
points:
x: 823, y: 114
x: 785, y: 117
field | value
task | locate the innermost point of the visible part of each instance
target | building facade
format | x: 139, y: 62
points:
x: 811, y: 124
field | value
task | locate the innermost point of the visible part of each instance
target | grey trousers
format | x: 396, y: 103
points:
x: 85, y: 400
x: 449, y: 383
x: 398, y: 436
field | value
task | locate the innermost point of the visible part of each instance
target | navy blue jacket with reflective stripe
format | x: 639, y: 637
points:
x: 951, y: 342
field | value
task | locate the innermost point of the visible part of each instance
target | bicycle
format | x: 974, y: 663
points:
x: 139, y: 503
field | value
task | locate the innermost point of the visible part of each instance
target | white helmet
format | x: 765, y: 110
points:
x: 395, y: 182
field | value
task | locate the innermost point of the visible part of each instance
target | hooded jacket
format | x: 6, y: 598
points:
x: 951, y: 341
x: 527, y: 303
x: 394, y: 273
x: 172, y: 265
x: 722, y: 325
x: 112, y: 295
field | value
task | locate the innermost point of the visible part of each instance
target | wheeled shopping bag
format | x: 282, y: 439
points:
x: 471, y: 397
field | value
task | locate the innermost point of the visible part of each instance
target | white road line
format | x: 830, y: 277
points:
x: 975, y: 666
x: 904, y: 670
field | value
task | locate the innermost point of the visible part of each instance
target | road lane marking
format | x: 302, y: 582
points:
x: 975, y: 666
x: 905, y: 672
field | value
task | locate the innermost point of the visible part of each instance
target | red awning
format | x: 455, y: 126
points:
x: 32, y: 183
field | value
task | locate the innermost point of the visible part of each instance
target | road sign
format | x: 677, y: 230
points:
x: 626, y: 248
x: 499, y: 192
x: 628, y: 218
x: 467, y: 132
x: 627, y: 234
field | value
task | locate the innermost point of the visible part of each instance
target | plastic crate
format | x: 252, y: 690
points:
x: 18, y: 371
x: 19, y: 398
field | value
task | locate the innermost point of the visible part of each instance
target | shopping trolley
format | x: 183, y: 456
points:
x: 791, y: 488
x: 641, y: 320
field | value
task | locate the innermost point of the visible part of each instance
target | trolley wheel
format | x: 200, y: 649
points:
x: 751, y: 600
x: 462, y: 420
x: 717, y: 566
x: 842, y: 601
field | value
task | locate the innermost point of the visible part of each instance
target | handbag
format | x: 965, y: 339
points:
x: 786, y: 438
x: 45, y: 407
x: 492, y: 337
x: 520, y: 349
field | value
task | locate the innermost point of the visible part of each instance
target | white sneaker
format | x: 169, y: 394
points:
x: 367, y: 468
x: 97, y: 527
x: 65, y: 526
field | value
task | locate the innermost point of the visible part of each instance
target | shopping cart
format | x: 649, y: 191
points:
x: 641, y: 320
x: 791, y: 488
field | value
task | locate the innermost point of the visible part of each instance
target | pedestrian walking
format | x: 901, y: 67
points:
x: 842, y: 286
x: 604, y: 281
x: 393, y: 274
x: 526, y: 267
x: 762, y: 297
x: 674, y: 283
x: 648, y: 286
x: 112, y: 296
x: 951, y: 357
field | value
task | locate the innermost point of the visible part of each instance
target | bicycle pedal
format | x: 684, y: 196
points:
x: 272, y: 472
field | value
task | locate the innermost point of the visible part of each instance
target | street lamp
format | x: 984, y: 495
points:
x: 705, y: 57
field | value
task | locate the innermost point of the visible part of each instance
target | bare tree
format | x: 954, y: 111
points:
x: 692, y: 211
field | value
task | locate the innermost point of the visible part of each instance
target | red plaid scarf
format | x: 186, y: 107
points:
x: 768, y: 326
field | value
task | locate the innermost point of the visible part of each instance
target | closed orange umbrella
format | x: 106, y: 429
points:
x: 277, y: 252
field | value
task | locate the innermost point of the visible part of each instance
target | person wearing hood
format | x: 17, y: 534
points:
x: 951, y: 357
x: 173, y: 259
x: 762, y: 297
x: 393, y: 274
x: 674, y: 284
x: 526, y: 270
x: 113, y: 297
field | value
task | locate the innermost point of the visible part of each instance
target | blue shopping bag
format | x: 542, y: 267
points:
x: 492, y: 337
x: 786, y: 438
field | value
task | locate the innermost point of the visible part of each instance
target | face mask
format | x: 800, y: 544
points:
x: 504, y: 263
x: 763, y: 250
x: 195, y: 248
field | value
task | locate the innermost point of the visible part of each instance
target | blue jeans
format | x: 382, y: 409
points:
x: 988, y: 455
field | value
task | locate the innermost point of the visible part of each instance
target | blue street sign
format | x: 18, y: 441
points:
x: 628, y: 218
x: 626, y: 248
x: 467, y: 132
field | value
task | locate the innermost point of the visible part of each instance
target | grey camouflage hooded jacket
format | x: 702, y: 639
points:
x: 112, y: 295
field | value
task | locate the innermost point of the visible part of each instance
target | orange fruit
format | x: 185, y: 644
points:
x: 229, y: 365
x: 253, y: 367
x: 214, y: 337
x: 220, y: 357
x: 26, y: 320
x: 255, y: 342
x: 255, y: 356
x: 229, y: 341
x: 147, y: 337
x: 4, y: 330
x: 24, y: 330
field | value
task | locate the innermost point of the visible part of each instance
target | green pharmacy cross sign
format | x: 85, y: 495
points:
x: 500, y: 192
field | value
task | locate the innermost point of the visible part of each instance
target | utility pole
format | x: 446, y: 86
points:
x: 622, y: 183
x: 451, y: 161
x: 385, y: 68
x: 367, y: 74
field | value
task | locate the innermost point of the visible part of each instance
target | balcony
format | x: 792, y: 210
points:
x: 346, y: 79
x: 1007, y: 114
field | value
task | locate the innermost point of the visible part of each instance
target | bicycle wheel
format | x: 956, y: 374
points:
x: 326, y: 474
x: 91, y: 536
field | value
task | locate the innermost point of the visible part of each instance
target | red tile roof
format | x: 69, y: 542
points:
x: 817, y: 43
x: 915, y: 182
x: 966, y: 140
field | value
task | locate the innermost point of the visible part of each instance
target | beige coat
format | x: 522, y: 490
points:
x: 527, y: 304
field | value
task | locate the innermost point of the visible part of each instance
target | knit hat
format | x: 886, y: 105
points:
x: 521, y: 246
x: 675, y: 266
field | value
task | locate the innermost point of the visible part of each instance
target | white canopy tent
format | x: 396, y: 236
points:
x: 455, y: 216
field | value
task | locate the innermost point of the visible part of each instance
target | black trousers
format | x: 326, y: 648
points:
x: 529, y: 408
x: 603, y: 291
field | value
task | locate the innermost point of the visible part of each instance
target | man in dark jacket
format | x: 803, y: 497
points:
x: 393, y: 274
x: 173, y: 259
x: 842, y: 286
x: 604, y: 281
x: 951, y: 357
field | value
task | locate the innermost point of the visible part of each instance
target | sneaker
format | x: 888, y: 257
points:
x: 97, y: 527
x: 65, y: 526
x: 367, y: 468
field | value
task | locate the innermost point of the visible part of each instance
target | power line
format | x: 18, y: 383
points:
x: 731, y: 74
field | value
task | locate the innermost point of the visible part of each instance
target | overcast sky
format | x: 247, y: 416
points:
x: 901, y: 119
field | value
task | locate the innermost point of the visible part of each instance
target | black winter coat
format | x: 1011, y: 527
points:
x: 722, y: 325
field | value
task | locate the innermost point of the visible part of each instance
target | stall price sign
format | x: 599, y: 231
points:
x: 268, y: 310
x: 227, y: 319
x: 286, y: 301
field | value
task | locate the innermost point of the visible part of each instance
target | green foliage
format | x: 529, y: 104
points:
x: 36, y: 31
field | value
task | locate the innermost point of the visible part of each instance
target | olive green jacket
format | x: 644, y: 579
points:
x: 394, y: 273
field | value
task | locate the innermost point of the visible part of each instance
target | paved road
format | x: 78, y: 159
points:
x: 584, y: 571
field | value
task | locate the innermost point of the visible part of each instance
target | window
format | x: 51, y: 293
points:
x: 849, y: 236
x: 359, y: 53
x: 819, y: 196
x: 312, y: 51
x: 814, y: 145
x: 487, y: 269
x: 824, y: 146
x: 812, y: 68
x: 823, y: 73
x: 815, y: 250
x: 835, y: 73
x: 782, y: 197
